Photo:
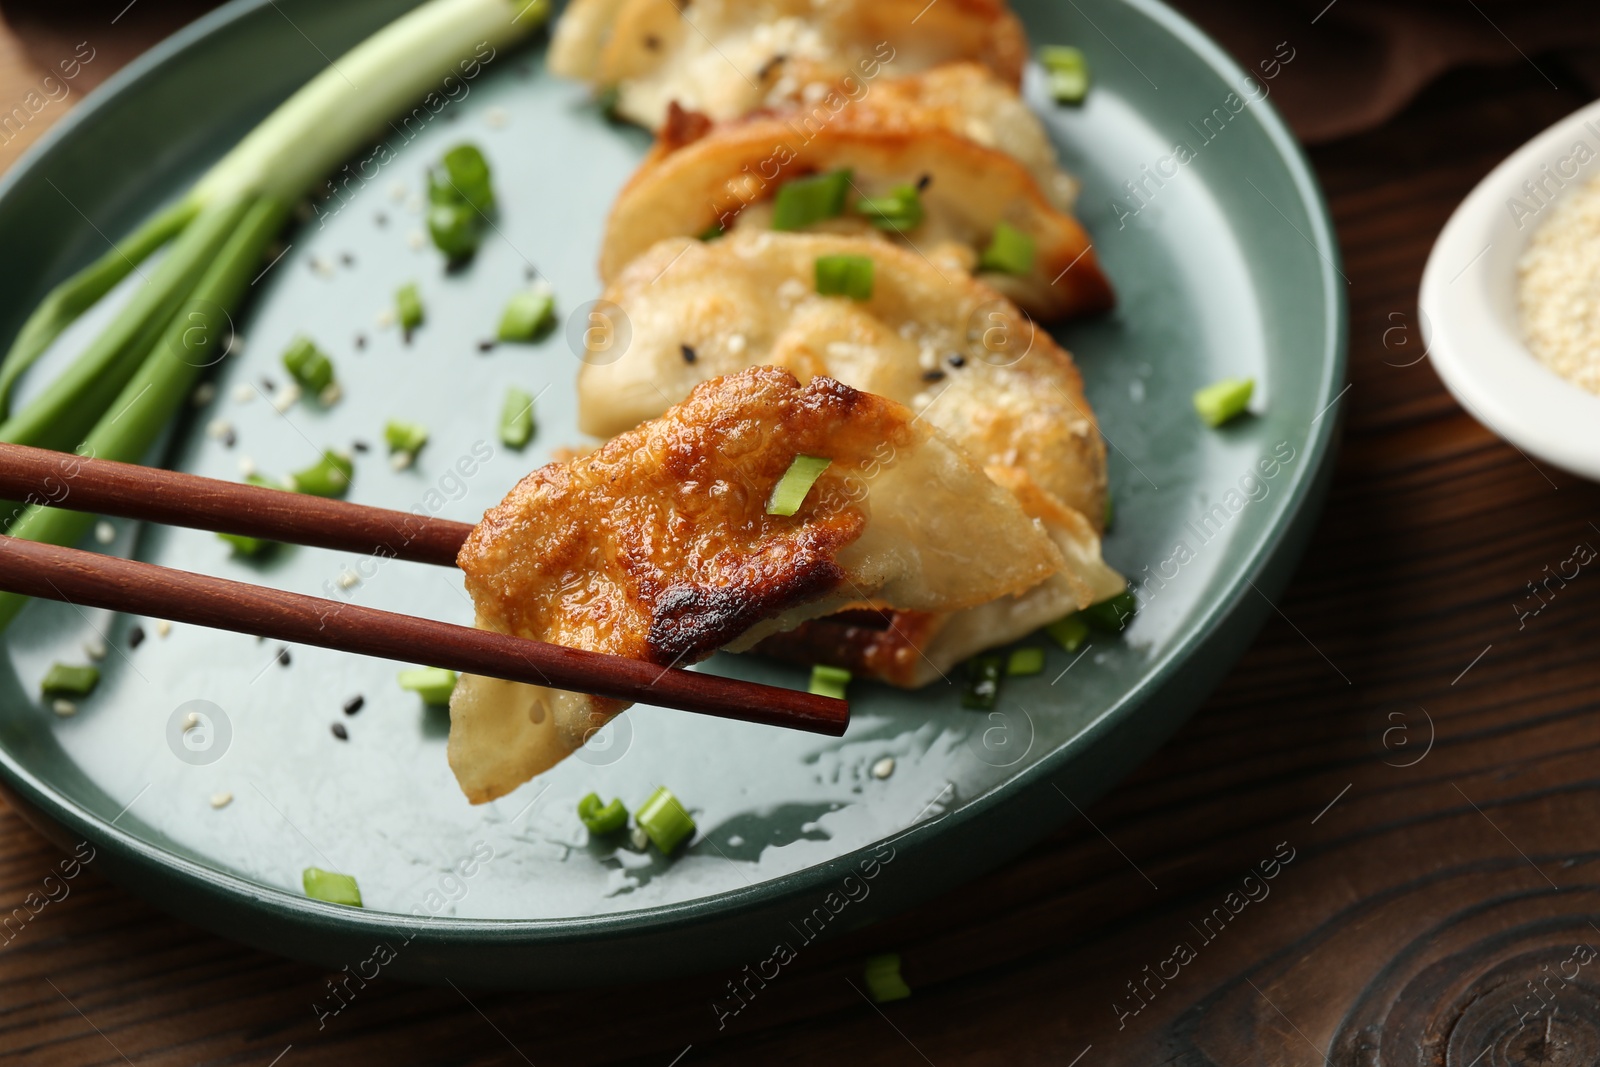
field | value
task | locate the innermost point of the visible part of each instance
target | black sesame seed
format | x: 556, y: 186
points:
x: 381, y: 219
x: 340, y: 732
x: 688, y: 354
x: 485, y: 345
x: 652, y: 42
x: 136, y: 637
x: 361, y: 340
x: 269, y: 385
x: 347, y: 259
x: 923, y: 182
x: 957, y: 360
x: 229, y: 439
x: 354, y: 704
x: 530, y: 272
x: 770, y: 65
x: 360, y: 446
x: 933, y: 375
x: 283, y: 656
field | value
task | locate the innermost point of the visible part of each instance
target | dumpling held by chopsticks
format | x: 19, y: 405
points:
x: 700, y: 530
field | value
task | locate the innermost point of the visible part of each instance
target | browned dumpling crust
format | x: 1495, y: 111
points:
x: 978, y: 155
x: 727, y: 58
x: 659, y: 546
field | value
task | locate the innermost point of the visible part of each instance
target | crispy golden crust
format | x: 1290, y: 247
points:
x: 965, y: 146
x: 658, y: 546
x: 727, y: 58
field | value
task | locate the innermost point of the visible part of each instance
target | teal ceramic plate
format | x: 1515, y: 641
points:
x: 1209, y: 224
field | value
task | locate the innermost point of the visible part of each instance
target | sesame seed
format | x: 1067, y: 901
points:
x: 736, y: 344
x: 688, y: 354
x: 923, y: 182
x: 221, y: 800
x: 243, y: 393
x: 64, y: 708
x: 360, y: 446
x: 136, y: 637
x: 190, y: 721
x: 933, y: 375
x: 163, y: 627
x: 340, y: 732
x: 331, y: 395
x: 247, y: 466
x: 204, y: 394
x: 283, y: 657
x: 95, y: 649
x: 402, y: 460
x: 495, y: 117
x: 286, y: 399
x: 354, y: 704
x: 956, y: 359
x: 361, y: 340
x: 485, y: 345
x: 104, y: 532
x: 416, y: 240
x: 217, y: 429
x: 883, y: 768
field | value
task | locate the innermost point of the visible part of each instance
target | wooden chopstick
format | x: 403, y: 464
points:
x: 91, y: 579
x: 64, y: 480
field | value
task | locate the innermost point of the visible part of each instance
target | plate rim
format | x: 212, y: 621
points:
x: 737, y: 902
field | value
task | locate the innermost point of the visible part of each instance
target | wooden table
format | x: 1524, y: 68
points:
x: 1419, y: 761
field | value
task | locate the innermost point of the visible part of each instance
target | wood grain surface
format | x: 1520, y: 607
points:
x: 1378, y: 843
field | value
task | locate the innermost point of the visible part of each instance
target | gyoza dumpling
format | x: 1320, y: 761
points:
x: 930, y: 337
x: 975, y: 154
x: 726, y: 58
x: 659, y: 546
x: 962, y: 357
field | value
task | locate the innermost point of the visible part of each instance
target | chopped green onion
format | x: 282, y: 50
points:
x: 1069, y: 73
x: 712, y: 232
x: 528, y: 315
x: 329, y: 476
x: 606, y: 819
x: 308, y: 365
x: 1069, y: 632
x: 829, y: 681
x: 408, y: 306
x: 62, y: 680
x: 1113, y: 614
x: 516, y: 419
x: 244, y: 545
x: 900, y: 211
x: 791, y: 490
x: 405, y: 437
x: 332, y: 887
x: 663, y: 820
x: 433, y: 684
x: 460, y: 197
x: 455, y: 229
x: 462, y: 177
x: 882, y: 975
x: 1223, y: 401
x: 803, y: 201
x: 983, y: 683
x: 1025, y: 661
x: 850, y: 276
x: 1010, y: 251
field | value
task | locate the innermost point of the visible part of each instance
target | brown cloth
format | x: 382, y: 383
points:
x: 1358, y: 62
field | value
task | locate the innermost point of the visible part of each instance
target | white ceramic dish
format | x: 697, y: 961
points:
x: 1469, y: 301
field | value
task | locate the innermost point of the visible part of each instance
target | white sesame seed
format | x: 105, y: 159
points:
x: 639, y: 838
x: 204, y: 394
x: 247, y: 466
x: 402, y: 460
x: 64, y: 708
x: 385, y: 318
x: 414, y: 204
x: 883, y: 768
x: 104, y: 532
x: 217, y: 429
x: 95, y: 649
x: 331, y: 395
x: 416, y: 240
x: 397, y: 191
x: 495, y: 117
x: 190, y: 721
x: 1558, y: 282
x: 163, y: 627
x: 243, y: 393
x: 221, y: 800
x: 322, y: 266
x: 286, y: 398
x: 348, y: 579
x: 736, y: 343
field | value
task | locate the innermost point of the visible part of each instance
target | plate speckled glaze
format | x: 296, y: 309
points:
x: 1228, y: 267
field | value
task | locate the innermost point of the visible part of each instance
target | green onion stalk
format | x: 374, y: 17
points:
x: 124, y: 388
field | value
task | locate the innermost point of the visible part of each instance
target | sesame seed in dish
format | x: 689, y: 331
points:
x: 1558, y: 288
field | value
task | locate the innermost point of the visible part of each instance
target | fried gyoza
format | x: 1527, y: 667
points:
x: 658, y: 546
x: 975, y: 151
x: 943, y: 344
x: 726, y: 58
